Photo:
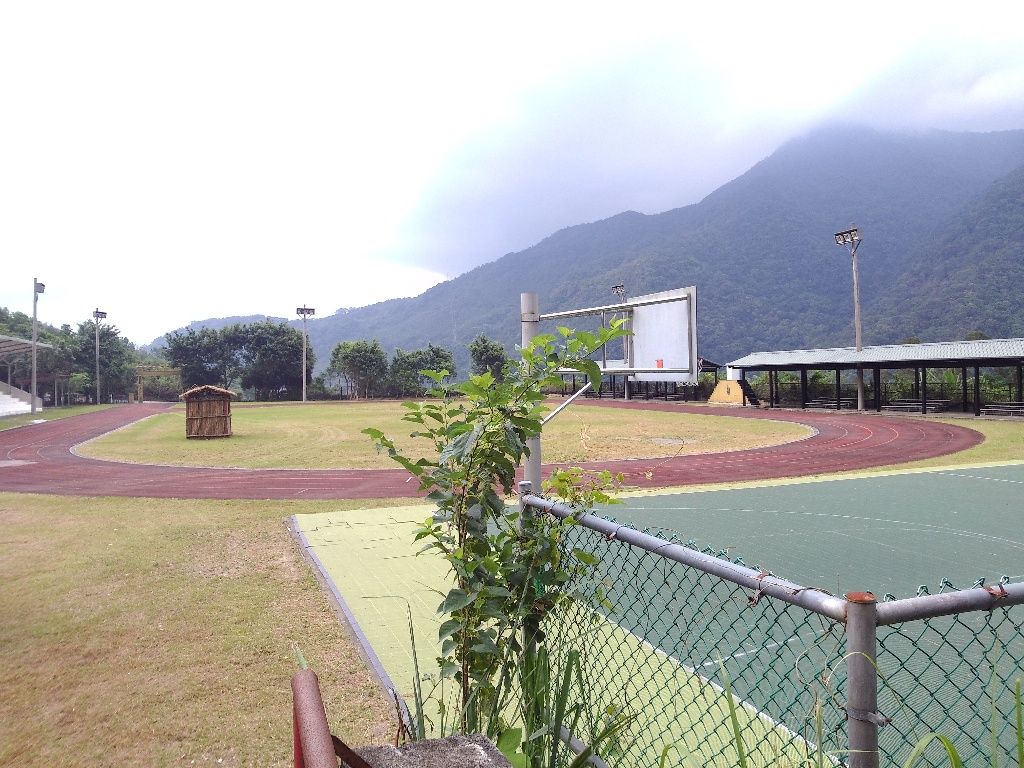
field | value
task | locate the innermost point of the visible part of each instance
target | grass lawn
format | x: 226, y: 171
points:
x: 160, y: 632
x: 48, y: 414
x: 327, y: 435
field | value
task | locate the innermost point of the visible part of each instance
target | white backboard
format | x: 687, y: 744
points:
x: 664, y: 327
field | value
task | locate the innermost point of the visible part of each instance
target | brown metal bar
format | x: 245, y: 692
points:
x: 312, y: 739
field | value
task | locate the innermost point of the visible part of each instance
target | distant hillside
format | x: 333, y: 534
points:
x: 761, y: 253
x: 970, y: 276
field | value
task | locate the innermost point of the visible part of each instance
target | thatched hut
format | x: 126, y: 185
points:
x: 207, y: 411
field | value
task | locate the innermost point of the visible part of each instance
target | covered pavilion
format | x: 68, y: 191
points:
x: 967, y: 357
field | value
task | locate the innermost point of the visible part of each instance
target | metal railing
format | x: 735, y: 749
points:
x: 664, y: 630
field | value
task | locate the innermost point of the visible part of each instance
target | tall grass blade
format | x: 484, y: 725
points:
x: 741, y: 753
x: 919, y: 748
x: 1020, y: 723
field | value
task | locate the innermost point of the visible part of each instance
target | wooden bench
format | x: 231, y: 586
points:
x: 824, y: 402
x: 1003, y: 409
x: 909, y: 405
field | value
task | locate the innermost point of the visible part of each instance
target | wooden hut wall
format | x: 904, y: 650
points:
x: 208, y: 417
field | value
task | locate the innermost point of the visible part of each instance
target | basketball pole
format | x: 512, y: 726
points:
x: 529, y: 308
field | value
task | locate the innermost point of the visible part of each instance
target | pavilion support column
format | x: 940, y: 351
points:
x: 839, y: 403
x: 977, y: 391
x: 917, y: 382
x: 743, y: 389
x: 876, y: 380
x: 963, y: 387
x: 1020, y: 381
x: 924, y: 390
x: 803, y: 387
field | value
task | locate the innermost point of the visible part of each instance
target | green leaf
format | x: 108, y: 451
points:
x: 587, y: 558
x: 448, y: 628
x: 456, y: 600
x: 509, y: 741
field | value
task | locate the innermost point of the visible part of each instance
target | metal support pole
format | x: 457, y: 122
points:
x: 924, y: 390
x: 529, y: 309
x: 304, y: 312
x: 97, y: 316
x: 857, y: 325
x: 876, y: 380
x: 839, y: 392
x: 803, y: 387
x: 963, y: 388
x: 977, y: 391
x: 35, y: 339
x: 862, y: 680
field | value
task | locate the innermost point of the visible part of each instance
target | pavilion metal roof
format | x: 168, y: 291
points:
x: 11, y: 346
x: 990, y: 352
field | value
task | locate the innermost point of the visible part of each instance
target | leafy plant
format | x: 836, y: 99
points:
x: 508, y: 574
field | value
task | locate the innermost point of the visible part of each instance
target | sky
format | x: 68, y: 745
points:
x: 171, y: 162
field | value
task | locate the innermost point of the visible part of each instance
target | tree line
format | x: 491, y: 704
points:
x: 263, y: 359
x: 66, y: 371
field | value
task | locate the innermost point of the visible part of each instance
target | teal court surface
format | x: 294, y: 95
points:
x: 882, y: 533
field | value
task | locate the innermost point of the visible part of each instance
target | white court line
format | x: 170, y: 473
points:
x: 980, y: 477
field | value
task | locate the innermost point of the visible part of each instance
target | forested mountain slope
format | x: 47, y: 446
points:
x: 936, y: 209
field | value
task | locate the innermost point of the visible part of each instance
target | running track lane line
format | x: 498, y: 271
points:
x: 843, y: 441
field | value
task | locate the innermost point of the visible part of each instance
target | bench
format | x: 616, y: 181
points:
x: 908, y: 405
x: 824, y: 402
x: 1003, y: 409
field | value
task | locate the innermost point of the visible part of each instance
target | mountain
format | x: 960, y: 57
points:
x: 939, y: 213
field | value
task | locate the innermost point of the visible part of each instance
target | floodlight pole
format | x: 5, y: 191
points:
x: 37, y: 288
x: 529, y: 308
x: 851, y: 239
x: 304, y: 311
x: 97, y: 316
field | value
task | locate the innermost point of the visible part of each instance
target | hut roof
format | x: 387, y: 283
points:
x: 206, y: 389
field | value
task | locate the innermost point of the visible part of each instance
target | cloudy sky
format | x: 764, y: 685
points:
x: 169, y: 162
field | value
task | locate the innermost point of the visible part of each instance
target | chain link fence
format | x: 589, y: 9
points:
x: 664, y: 630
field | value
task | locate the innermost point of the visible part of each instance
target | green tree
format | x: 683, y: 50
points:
x: 363, y: 364
x: 117, y: 360
x: 406, y: 377
x: 206, y: 356
x: 271, y: 358
x: 488, y: 356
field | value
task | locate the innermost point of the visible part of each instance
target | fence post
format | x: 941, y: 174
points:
x: 862, y: 718
x: 529, y: 307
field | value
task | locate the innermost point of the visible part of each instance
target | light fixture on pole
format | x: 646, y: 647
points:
x: 851, y: 239
x: 97, y: 316
x: 37, y: 288
x: 304, y: 312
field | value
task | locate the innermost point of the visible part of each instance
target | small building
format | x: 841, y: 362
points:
x: 207, y: 411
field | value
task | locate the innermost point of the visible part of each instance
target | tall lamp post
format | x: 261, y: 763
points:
x: 97, y: 316
x: 851, y: 239
x: 37, y: 288
x: 304, y: 312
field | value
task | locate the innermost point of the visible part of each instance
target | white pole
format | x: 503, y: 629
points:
x: 96, y: 320
x: 857, y: 325
x: 529, y: 307
x: 35, y: 339
x: 303, y: 357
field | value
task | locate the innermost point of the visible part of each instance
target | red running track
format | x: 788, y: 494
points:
x: 39, y: 458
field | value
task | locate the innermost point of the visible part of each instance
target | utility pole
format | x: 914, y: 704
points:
x: 37, y: 288
x: 304, y: 312
x: 851, y: 239
x: 97, y: 316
